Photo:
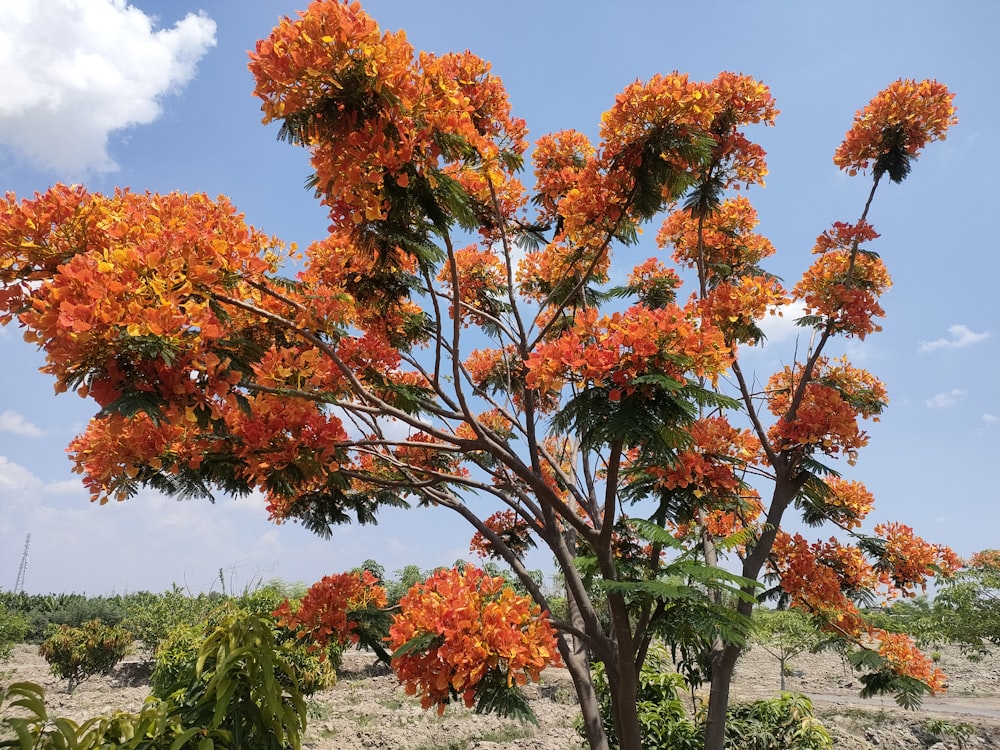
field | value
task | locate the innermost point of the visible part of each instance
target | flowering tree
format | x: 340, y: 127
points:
x: 455, y: 341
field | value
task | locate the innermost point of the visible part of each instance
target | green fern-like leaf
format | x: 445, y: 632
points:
x: 495, y: 696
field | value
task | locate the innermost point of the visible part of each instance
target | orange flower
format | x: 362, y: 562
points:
x: 476, y: 625
x: 511, y: 528
x: 897, y: 124
x: 324, y: 612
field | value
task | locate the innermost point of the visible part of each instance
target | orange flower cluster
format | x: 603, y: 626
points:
x: 590, y: 191
x: 420, y: 455
x: 741, y: 100
x: 653, y: 282
x: 712, y: 466
x: 848, y: 503
x: 717, y: 108
x: 827, y: 416
x: 724, y: 241
x: 904, y: 658
x: 617, y: 349
x: 824, y: 578
x: 482, y: 285
x: 722, y: 520
x: 81, y: 269
x: 478, y: 625
x: 374, y: 117
x: 734, y: 307
x: 843, y: 285
x: 511, y: 528
x: 813, y: 583
x: 558, y: 159
x: 909, y: 561
x: 324, y: 613
x: 987, y: 560
x: 915, y: 112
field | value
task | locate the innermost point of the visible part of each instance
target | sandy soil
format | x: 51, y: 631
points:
x: 368, y: 709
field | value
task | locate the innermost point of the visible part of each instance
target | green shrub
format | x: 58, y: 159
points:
x: 244, y: 687
x: 782, y: 723
x: 76, y: 654
x: 151, y: 617
x: 944, y: 730
x: 176, y: 659
x: 233, y: 702
x: 13, y: 629
x: 663, y: 720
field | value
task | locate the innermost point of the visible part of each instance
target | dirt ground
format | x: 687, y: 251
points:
x: 368, y: 709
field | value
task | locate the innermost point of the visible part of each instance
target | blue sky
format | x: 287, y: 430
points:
x: 156, y: 96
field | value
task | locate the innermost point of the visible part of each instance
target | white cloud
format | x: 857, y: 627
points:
x: 16, y: 424
x: 990, y: 418
x: 959, y: 336
x: 780, y: 326
x: 74, y: 71
x: 944, y: 400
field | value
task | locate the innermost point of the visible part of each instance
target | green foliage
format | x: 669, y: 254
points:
x: 151, y: 617
x: 662, y: 717
x: 880, y: 678
x: 243, y: 686
x: 495, y: 696
x: 176, y: 659
x: 43, y: 611
x: 405, y: 579
x: 966, y: 610
x: 13, y: 629
x: 76, y: 654
x: 784, y: 634
x: 782, y: 723
x: 34, y: 729
x: 234, y: 701
x: 944, y: 730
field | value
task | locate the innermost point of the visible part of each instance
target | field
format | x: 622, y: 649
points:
x: 367, y: 708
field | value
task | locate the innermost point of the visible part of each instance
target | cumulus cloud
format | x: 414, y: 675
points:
x: 990, y: 418
x: 959, y: 336
x: 780, y: 326
x: 16, y: 424
x: 74, y: 71
x: 945, y: 399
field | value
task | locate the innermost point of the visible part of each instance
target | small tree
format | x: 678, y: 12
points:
x: 13, y: 629
x: 784, y: 634
x: 77, y: 654
x: 456, y: 342
x: 966, y: 609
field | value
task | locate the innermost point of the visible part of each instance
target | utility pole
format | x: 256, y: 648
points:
x: 23, y: 567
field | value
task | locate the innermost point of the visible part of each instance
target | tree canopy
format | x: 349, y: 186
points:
x: 463, y: 340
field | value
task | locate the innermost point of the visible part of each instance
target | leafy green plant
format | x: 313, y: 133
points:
x: 943, y: 729
x: 785, y: 722
x: 176, y: 659
x: 13, y: 629
x: 784, y: 634
x: 151, y: 617
x: 153, y: 728
x: 76, y: 654
x: 243, y: 686
x: 663, y: 719
x: 234, y: 701
x: 782, y: 723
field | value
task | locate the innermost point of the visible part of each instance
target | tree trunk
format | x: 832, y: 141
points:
x: 723, y: 666
x: 579, y: 670
x: 624, y: 696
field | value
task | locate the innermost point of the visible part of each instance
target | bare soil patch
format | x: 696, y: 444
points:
x: 368, y: 709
